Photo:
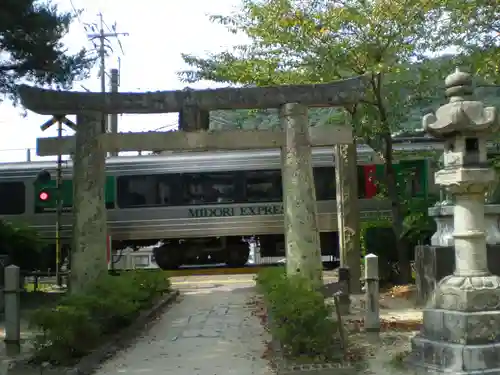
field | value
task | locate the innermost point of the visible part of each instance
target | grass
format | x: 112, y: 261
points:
x: 30, y: 287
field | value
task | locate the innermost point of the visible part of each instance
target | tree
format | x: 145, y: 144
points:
x: 22, y: 245
x: 321, y: 41
x: 31, y: 47
x: 474, y: 28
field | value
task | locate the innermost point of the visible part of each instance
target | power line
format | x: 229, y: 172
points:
x: 76, y: 11
x: 99, y: 34
x: 102, y: 36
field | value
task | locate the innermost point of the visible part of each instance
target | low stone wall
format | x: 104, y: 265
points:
x: 433, y: 263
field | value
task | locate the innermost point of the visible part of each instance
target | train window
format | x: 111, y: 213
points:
x: 206, y: 188
x: 263, y: 186
x: 146, y: 190
x: 324, y: 179
x: 12, y: 198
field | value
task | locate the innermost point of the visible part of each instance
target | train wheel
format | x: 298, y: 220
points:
x: 167, y: 259
x: 237, y: 255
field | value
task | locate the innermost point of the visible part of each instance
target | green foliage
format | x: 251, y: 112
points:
x: 322, y: 41
x: 21, y: 243
x: 30, y: 42
x: 418, y: 225
x: 298, y: 316
x: 268, y: 118
x: 293, y: 42
x: 296, y: 42
x: 377, y: 237
x: 474, y: 28
x: 77, y: 325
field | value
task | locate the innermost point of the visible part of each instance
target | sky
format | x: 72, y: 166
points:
x: 159, y: 31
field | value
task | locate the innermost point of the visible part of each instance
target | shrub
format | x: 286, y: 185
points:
x: 76, y: 325
x: 298, y: 316
x: 21, y: 244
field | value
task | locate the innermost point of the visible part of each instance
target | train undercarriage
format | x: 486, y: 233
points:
x: 234, y: 251
x: 171, y: 254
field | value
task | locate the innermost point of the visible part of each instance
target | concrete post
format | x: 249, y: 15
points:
x: 372, y: 314
x: 346, y: 181
x: 89, y: 209
x: 12, y: 311
x: 303, y: 255
x: 4, y: 259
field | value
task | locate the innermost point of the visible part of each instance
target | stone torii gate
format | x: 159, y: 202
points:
x: 91, y: 143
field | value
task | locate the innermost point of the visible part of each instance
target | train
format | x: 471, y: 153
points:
x: 200, y: 207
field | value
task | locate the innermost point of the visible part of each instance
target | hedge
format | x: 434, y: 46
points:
x: 298, y: 316
x: 76, y: 326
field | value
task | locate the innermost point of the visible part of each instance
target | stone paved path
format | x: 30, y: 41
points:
x: 209, y: 332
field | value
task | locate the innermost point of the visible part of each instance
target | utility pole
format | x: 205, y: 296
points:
x: 103, y: 36
x: 60, y: 120
x: 115, y: 83
x: 59, y: 208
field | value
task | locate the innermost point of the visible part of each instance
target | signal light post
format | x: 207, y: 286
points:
x: 46, y: 195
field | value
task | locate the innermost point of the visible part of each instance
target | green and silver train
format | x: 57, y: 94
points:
x: 200, y: 206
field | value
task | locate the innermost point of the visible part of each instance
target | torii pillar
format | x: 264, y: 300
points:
x: 348, y: 217
x: 89, y: 205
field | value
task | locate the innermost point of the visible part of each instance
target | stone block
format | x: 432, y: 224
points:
x: 432, y: 326
x: 454, y: 327
x: 468, y: 294
x: 433, y: 263
x: 483, y: 327
x: 471, y: 328
x: 438, y: 357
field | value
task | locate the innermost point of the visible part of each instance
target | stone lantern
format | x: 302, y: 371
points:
x: 461, y: 326
x: 462, y: 147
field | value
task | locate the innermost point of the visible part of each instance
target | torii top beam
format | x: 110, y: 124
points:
x: 52, y: 102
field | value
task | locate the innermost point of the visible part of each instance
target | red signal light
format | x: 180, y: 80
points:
x: 44, y: 196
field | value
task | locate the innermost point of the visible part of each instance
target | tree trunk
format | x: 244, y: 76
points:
x: 303, y: 254
x: 390, y: 177
x: 346, y: 182
x: 397, y: 214
x: 89, y: 210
